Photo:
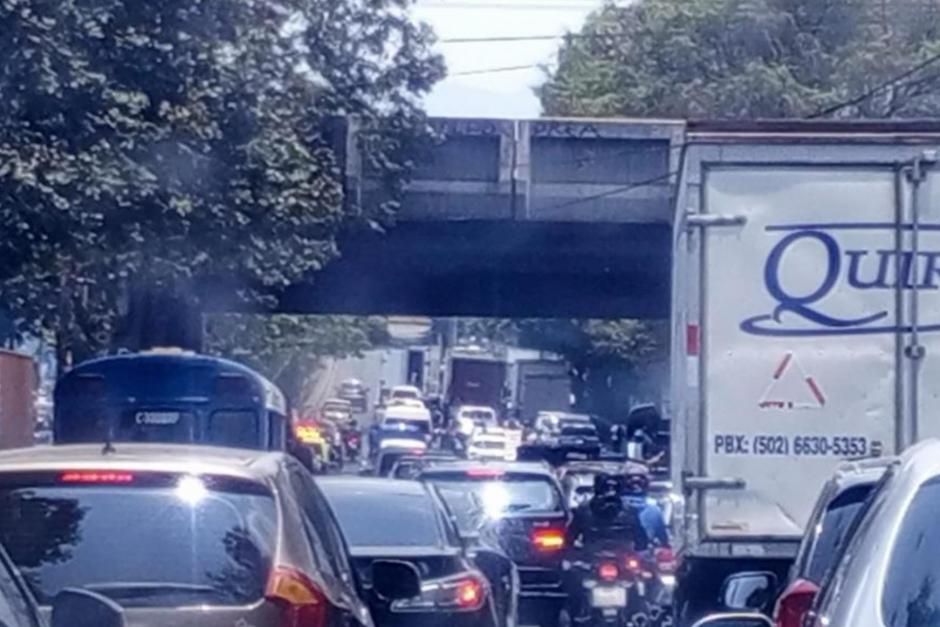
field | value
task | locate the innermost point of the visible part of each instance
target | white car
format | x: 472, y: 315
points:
x: 405, y: 392
x: 469, y: 417
x: 491, y: 443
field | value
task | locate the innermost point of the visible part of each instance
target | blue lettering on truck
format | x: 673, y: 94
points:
x: 843, y: 446
x: 845, y: 270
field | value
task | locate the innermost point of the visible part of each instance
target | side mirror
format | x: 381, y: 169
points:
x: 394, y: 580
x: 734, y: 620
x: 74, y: 607
x: 748, y: 590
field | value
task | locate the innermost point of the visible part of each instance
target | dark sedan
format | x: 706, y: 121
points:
x: 384, y: 519
x: 527, y: 514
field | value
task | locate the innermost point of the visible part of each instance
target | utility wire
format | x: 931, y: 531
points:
x: 614, y: 192
x: 494, y: 70
x: 868, y: 93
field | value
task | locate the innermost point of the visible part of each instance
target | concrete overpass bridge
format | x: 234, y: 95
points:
x: 547, y: 218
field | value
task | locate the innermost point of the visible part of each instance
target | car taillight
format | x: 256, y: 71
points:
x: 666, y: 561
x: 608, y: 571
x: 485, y: 473
x: 463, y: 593
x: 469, y: 594
x: 548, y: 539
x: 633, y: 564
x: 794, y: 603
x: 95, y: 476
x: 302, y: 602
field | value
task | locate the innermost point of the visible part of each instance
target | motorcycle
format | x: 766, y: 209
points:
x: 352, y: 441
x: 614, y: 590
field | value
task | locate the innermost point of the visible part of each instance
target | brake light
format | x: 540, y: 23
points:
x: 95, y: 476
x: 633, y: 564
x: 608, y: 571
x: 484, y: 473
x: 794, y: 603
x: 666, y: 561
x: 302, y: 602
x: 469, y: 594
x: 548, y: 539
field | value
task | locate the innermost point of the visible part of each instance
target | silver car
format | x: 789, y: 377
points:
x: 179, y: 535
x: 889, y: 573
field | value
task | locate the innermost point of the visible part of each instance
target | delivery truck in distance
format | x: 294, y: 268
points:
x: 806, y: 327
x: 475, y: 379
x: 540, y: 385
x: 17, y: 399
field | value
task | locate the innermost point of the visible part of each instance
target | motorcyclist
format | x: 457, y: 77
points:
x: 602, y: 524
x: 650, y: 515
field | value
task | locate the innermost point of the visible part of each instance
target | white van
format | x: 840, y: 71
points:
x: 407, y: 418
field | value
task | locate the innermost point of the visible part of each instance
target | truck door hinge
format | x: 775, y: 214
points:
x: 713, y: 483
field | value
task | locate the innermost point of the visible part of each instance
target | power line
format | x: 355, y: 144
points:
x: 868, y: 93
x: 475, y: 40
x: 617, y: 190
x: 493, y: 70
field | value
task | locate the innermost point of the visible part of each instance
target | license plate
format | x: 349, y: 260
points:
x: 608, y: 596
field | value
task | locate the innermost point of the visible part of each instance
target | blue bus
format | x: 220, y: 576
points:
x: 169, y: 397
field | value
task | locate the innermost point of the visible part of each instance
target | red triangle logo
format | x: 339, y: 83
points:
x: 791, y: 388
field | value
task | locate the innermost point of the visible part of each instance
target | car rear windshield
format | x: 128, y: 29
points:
x: 478, y: 414
x: 578, y: 428
x: 910, y: 589
x: 506, y: 493
x: 153, y: 540
x: 407, y: 519
x: 831, y: 530
x: 400, y: 424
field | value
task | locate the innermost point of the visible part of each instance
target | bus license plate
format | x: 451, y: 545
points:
x: 609, y: 596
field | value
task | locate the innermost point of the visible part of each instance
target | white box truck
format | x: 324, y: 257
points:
x: 806, y: 327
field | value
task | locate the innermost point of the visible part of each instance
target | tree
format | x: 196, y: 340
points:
x: 288, y: 348
x: 750, y: 59
x: 154, y: 147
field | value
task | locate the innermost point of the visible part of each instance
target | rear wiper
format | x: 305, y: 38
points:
x: 518, y: 507
x: 135, y: 590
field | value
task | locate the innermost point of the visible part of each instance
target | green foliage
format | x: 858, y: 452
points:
x: 287, y: 348
x: 748, y: 59
x: 168, y: 143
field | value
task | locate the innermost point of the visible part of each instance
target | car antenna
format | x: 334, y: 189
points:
x: 108, y: 448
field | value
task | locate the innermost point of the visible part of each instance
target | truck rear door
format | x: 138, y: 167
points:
x: 799, y: 338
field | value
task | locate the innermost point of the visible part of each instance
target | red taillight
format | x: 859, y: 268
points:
x: 666, y: 560
x: 608, y: 571
x: 484, y: 473
x: 794, y: 603
x: 302, y: 602
x: 633, y: 564
x: 469, y: 594
x: 95, y: 476
x: 548, y: 539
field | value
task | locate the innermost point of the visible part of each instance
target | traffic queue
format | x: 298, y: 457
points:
x: 178, y: 492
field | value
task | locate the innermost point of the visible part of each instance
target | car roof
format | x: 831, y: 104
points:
x: 860, y: 472
x: 244, y: 463
x: 531, y: 468
x: 373, y: 484
x: 405, y: 388
x: 476, y: 408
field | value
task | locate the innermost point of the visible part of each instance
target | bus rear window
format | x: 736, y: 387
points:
x: 236, y: 428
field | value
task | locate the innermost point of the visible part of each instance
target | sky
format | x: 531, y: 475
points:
x: 505, y: 94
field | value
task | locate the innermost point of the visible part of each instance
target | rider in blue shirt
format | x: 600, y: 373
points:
x: 636, y: 496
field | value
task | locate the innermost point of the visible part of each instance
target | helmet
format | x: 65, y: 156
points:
x: 607, y: 485
x: 636, y: 479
